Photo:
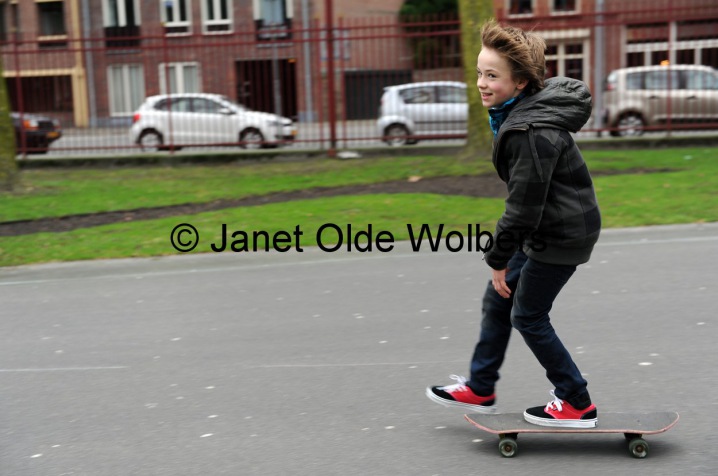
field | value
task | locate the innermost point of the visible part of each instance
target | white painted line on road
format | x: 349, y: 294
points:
x: 647, y: 241
x: 355, y: 364
x: 64, y: 369
x: 215, y: 269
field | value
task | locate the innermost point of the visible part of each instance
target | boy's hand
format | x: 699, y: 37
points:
x: 498, y: 279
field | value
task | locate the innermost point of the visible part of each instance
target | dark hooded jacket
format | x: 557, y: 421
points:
x: 551, y: 212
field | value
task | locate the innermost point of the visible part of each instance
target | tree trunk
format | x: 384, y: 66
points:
x: 473, y: 14
x: 8, y: 165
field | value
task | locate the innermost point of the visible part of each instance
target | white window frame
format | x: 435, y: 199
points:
x: 561, y: 57
x: 226, y: 23
x: 186, y: 25
x: 121, y: 13
x: 127, y: 108
x: 670, y: 46
x: 648, y: 48
x: 572, y: 36
x: 177, y: 70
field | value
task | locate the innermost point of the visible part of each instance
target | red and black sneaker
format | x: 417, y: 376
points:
x: 460, y: 395
x: 558, y: 413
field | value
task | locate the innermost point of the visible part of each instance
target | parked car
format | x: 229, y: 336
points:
x: 34, y: 133
x: 206, y: 119
x: 651, y: 96
x: 431, y: 109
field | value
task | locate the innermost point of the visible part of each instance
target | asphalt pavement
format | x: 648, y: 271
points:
x: 315, y: 363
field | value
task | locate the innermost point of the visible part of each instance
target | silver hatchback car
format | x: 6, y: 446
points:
x: 653, y: 96
x: 427, y: 110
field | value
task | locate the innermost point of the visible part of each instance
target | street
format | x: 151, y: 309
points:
x: 315, y: 363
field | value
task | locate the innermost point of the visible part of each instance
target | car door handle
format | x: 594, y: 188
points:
x: 653, y: 97
x: 691, y: 97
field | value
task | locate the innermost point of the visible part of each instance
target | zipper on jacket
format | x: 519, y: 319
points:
x: 534, y: 153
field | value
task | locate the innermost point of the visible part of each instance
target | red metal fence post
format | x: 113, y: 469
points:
x: 20, y: 104
x: 332, y: 152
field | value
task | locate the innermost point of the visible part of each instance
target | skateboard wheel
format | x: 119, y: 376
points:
x: 638, y: 447
x: 508, y: 447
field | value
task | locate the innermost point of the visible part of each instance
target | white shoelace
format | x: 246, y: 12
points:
x: 556, y: 404
x: 460, y: 385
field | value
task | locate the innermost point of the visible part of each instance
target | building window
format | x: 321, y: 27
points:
x: 704, y: 29
x: 52, y: 18
x: 273, y: 19
x: 121, y: 20
x: 52, y: 32
x: 520, y: 7
x: 8, y: 21
x: 126, y: 87
x: 635, y: 59
x: 660, y: 57
x: 685, y: 57
x: 14, y: 20
x: 566, y: 59
x: 176, y: 15
x: 709, y: 57
x: 646, y: 33
x: 695, y: 42
x: 217, y: 16
x: 179, y: 77
x: 564, y: 6
x: 3, y: 22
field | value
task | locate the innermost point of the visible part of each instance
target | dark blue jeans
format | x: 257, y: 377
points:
x: 534, y: 287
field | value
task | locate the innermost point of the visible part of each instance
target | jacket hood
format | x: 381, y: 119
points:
x: 563, y: 103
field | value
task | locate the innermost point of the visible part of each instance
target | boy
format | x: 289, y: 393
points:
x: 550, y: 224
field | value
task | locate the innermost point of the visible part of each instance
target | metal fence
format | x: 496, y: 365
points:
x: 330, y: 80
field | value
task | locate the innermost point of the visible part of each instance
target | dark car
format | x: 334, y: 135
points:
x: 34, y: 133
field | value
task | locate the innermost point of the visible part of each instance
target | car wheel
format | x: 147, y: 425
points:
x: 251, y: 139
x: 150, y: 141
x: 396, y: 135
x: 630, y: 125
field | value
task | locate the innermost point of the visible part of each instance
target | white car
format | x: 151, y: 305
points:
x: 427, y: 110
x: 194, y: 119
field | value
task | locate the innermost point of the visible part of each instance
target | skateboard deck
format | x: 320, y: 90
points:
x: 632, y: 425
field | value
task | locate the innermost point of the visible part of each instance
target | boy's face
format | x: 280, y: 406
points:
x: 494, y: 81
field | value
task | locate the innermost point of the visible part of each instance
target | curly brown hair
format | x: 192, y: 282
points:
x: 523, y: 50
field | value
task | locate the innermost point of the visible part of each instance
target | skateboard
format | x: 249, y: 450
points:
x: 632, y: 425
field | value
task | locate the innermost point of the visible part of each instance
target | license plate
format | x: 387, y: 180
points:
x: 53, y: 135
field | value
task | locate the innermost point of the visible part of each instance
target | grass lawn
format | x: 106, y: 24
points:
x: 665, y: 186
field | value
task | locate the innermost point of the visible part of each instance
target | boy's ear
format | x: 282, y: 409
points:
x: 521, y: 84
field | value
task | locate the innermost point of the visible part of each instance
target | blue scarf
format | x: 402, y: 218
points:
x: 498, y: 114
